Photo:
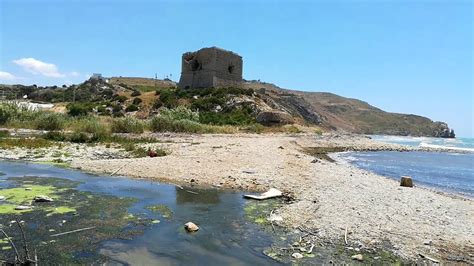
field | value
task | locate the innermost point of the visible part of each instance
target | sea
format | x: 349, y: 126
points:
x: 451, y: 170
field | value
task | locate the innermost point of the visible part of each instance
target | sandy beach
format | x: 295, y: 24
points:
x: 334, y: 199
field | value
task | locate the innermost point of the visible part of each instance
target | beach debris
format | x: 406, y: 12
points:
x: 22, y: 207
x: 345, y: 236
x: 151, y: 153
x: 250, y: 172
x: 358, y: 257
x: 73, y: 231
x: 428, y: 242
x: 274, y: 218
x: 406, y: 181
x: 271, y: 193
x: 428, y: 258
x: 191, y: 227
x: 315, y: 160
x: 189, y: 191
x: 297, y: 255
x: 42, y: 198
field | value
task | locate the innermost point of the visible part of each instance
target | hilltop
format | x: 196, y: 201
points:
x: 257, y: 101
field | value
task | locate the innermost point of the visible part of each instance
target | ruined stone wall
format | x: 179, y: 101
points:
x: 211, y: 68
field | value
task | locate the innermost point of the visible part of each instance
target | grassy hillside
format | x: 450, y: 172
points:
x: 142, y: 84
x: 142, y: 97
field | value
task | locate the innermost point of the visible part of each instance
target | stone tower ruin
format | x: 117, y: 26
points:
x: 211, y: 68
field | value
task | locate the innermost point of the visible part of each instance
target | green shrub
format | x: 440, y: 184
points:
x: 166, y: 124
x: 55, y: 136
x: 50, y: 121
x: 292, y: 129
x: 241, y: 116
x: 127, y: 125
x: 121, y: 98
x: 78, y: 109
x: 254, y: 128
x: 168, y: 98
x: 131, y: 108
x: 135, y: 93
x: 137, y: 101
x: 79, y: 137
x: 7, y: 111
x: 4, y: 133
x: 91, y: 125
x: 180, y: 113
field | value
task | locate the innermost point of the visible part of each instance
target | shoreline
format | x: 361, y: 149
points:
x: 449, y: 193
x: 331, y: 197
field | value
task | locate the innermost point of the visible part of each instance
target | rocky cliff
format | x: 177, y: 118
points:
x: 339, y: 113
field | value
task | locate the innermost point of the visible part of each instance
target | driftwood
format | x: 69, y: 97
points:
x: 428, y: 258
x: 345, y: 236
x: 11, y: 244
x: 26, y: 260
x: 73, y: 231
x: 189, y: 191
x: 120, y: 168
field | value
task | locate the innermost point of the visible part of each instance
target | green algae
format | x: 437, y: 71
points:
x: 25, y: 194
x: 259, y: 211
x: 162, y: 209
x: 71, y: 209
x: 9, y: 208
x: 60, y: 210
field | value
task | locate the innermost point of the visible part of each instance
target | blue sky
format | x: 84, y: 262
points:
x: 401, y: 56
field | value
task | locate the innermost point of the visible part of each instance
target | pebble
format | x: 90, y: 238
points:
x: 191, y: 227
x: 42, y: 198
x: 428, y: 242
x: 22, y: 208
x: 358, y: 257
x: 297, y: 255
x: 250, y: 172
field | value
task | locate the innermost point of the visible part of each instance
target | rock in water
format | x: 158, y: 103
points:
x: 2, y: 197
x: 406, y: 181
x: 42, y: 198
x: 297, y: 255
x: 22, y: 208
x: 358, y: 257
x: 191, y: 227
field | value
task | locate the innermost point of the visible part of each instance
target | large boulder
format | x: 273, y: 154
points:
x: 274, y: 117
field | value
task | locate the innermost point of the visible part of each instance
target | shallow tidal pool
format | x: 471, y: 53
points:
x: 127, y: 221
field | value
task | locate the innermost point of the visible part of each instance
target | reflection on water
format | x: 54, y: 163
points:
x: 190, y: 196
x: 225, y: 237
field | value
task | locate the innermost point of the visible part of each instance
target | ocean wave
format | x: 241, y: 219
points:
x: 443, y: 147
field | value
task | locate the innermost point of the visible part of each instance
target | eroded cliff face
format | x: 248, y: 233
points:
x: 339, y: 113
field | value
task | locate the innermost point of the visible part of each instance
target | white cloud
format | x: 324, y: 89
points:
x: 38, y: 67
x: 74, y: 74
x: 6, y: 76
